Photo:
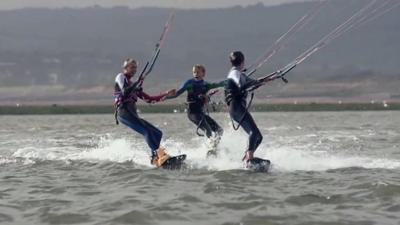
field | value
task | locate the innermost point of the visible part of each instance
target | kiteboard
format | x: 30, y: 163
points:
x: 258, y: 165
x: 174, y: 162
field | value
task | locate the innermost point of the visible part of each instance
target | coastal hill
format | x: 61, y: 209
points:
x: 72, y: 55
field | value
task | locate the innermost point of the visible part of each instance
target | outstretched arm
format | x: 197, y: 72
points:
x: 182, y: 89
x: 155, y: 98
x: 249, y: 82
x: 216, y: 85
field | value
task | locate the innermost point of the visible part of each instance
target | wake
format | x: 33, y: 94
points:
x: 229, y: 157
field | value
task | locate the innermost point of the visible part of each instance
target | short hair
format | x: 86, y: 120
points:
x: 127, y: 62
x: 236, y: 58
x: 200, y: 67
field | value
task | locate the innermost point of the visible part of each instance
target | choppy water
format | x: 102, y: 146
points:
x: 328, y: 168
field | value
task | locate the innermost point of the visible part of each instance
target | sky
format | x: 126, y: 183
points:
x: 17, y: 4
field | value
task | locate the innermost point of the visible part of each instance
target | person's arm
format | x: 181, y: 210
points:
x: 152, y: 98
x: 182, y: 89
x: 216, y: 85
x: 249, y: 82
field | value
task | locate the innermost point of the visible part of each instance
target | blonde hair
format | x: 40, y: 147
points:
x: 127, y: 62
x: 199, y: 67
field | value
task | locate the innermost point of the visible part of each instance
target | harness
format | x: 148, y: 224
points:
x: 234, y: 93
x: 198, y: 98
x: 120, y: 99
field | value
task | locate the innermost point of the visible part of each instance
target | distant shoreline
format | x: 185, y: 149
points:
x: 177, y: 108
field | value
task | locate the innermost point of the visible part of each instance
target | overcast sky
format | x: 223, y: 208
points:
x: 16, y: 4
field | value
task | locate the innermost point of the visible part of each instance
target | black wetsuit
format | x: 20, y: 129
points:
x: 235, y: 96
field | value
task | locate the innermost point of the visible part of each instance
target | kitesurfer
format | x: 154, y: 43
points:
x: 197, y: 98
x: 235, y: 97
x: 126, y: 93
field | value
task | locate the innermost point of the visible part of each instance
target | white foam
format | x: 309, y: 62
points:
x: 231, y: 150
x: 7, y: 161
x: 118, y: 150
x: 291, y: 160
x: 37, y: 153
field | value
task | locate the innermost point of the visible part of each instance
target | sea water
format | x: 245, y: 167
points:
x: 327, y: 168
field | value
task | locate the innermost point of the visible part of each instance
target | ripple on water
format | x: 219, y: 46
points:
x: 317, y: 179
x: 5, y: 218
x: 133, y: 217
x: 393, y: 208
x: 65, y: 218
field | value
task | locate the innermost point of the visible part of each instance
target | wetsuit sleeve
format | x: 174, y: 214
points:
x: 182, y: 89
x: 216, y: 85
x: 150, y: 99
x: 249, y: 82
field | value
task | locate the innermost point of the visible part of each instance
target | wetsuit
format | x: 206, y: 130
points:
x: 235, y: 96
x: 196, y: 99
x: 125, y: 97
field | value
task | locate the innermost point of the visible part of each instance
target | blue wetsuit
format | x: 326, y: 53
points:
x: 126, y: 97
x: 196, y: 99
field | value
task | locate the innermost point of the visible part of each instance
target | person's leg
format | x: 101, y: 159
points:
x: 239, y: 113
x: 151, y: 134
x: 252, y: 130
x: 136, y: 124
x: 159, y: 156
x: 255, y: 137
x: 213, y: 141
x: 199, y: 120
x: 155, y: 133
x: 214, y: 125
